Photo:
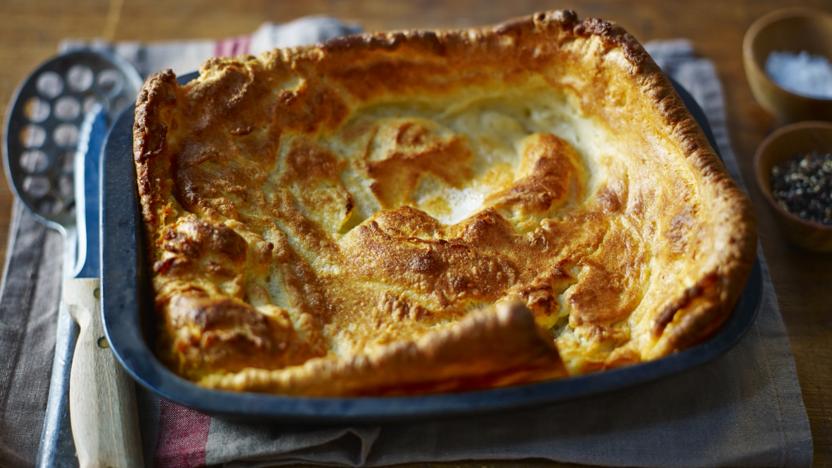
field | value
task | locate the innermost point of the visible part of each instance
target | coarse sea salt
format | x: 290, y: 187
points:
x: 801, y: 73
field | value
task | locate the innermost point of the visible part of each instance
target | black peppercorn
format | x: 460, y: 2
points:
x: 803, y: 186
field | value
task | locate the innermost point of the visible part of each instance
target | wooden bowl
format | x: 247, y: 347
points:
x: 791, y: 30
x: 785, y: 143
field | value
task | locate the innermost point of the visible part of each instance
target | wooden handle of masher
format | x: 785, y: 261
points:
x: 102, y: 400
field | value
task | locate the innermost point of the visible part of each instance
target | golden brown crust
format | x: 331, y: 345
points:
x: 449, y: 360
x: 326, y: 220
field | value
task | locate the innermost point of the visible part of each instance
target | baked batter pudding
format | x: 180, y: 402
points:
x: 413, y: 212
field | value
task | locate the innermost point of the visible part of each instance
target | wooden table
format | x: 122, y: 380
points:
x: 30, y: 31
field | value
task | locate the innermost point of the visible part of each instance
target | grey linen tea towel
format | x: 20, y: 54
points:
x: 745, y: 408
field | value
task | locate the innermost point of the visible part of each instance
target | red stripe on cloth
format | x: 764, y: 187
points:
x: 223, y: 47
x: 232, y: 47
x: 183, y: 434
x: 240, y: 45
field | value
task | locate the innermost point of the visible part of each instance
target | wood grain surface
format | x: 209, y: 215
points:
x: 31, y: 30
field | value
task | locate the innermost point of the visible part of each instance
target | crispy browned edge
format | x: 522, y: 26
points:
x: 732, y: 214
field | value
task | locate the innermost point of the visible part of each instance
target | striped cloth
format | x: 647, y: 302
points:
x: 745, y: 408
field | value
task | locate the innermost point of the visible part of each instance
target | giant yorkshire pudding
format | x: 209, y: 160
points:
x: 412, y: 212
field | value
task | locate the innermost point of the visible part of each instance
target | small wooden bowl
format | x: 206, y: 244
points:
x: 785, y: 143
x: 791, y: 30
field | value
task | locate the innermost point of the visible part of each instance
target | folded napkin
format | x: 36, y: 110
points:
x: 744, y: 408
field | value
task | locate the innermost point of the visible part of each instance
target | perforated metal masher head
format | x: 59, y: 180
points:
x: 43, y: 126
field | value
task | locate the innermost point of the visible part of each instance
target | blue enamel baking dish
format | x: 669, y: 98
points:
x: 127, y: 308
